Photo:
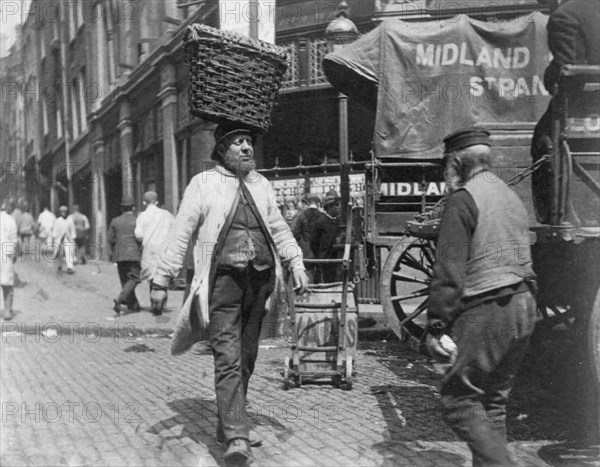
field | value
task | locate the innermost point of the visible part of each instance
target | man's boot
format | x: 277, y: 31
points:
x: 238, y: 452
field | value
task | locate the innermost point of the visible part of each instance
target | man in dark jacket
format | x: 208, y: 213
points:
x: 303, y: 223
x: 126, y: 253
x: 573, y: 38
x: 481, y: 296
x: 323, y: 235
x: 302, y: 226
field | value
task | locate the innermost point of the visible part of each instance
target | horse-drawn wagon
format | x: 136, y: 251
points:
x: 428, y: 79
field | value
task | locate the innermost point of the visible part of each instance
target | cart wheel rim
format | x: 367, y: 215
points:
x: 405, y: 281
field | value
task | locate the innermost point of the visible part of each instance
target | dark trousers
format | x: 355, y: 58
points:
x: 80, y: 246
x: 129, y: 275
x: 237, y: 308
x: 492, y: 339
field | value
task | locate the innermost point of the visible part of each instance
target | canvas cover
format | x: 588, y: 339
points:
x: 427, y: 79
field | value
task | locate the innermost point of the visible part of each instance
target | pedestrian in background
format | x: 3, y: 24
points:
x: 26, y: 229
x: 304, y: 222
x: 241, y: 236
x: 475, y: 290
x: 63, y: 240
x: 151, y: 230
x: 302, y: 205
x: 323, y: 236
x: 82, y: 230
x: 290, y: 209
x: 9, y: 244
x: 14, y: 209
x: 16, y: 212
x: 302, y: 225
x: 125, y: 252
x: 45, y: 226
x: 281, y: 204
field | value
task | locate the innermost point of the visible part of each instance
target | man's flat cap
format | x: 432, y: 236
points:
x: 331, y: 197
x: 464, y: 138
x: 224, y: 130
x: 312, y: 198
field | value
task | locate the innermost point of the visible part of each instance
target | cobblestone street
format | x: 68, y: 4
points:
x: 77, y: 398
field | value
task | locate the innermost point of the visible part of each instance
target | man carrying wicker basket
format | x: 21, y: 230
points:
x: 231, y: 216
x: 241, y: 240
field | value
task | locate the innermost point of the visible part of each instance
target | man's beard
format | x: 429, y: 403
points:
x: 240, y: 168
x: 452, y: 180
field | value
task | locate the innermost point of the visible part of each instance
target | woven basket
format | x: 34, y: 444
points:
x: 233, y: 79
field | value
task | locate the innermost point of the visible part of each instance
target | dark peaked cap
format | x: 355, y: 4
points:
x: 223, y: 130
x: 464, y: 138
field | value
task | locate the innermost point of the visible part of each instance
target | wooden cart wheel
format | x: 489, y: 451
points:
x: 349, y: 373
x: 286, y: 373
x: 404, y: 288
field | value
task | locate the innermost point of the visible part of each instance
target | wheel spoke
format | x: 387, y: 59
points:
x: 399, y: 276
x: 420, y: 309
x: 428, y: 254
x: 412, y: 262
x: 415, y: 294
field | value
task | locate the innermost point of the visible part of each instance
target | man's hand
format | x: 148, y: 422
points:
x: 300, y: 280
x: 158, y: 300
x: 441, y: 348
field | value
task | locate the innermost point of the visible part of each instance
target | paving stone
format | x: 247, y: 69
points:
x: 390, y: 418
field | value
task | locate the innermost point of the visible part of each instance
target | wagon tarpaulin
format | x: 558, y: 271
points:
x: 427, y: 79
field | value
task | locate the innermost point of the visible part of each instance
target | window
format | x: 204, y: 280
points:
x: 59, y: 127
x: 74, y: 97
x: 42, y: 42
x: 55, y: 31
x: 82, y: 106
x: 147, y: 30
x: 72, y: 21
x: 171, y: 10
x: 44, y: 116
x: 318, y: 50
x: 79, y: 13
x: 292, y: 73
x: 142, y: 51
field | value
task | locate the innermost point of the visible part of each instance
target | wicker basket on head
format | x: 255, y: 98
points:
x: 233, y: 79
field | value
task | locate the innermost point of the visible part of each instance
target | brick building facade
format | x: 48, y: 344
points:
x: 103, y: 92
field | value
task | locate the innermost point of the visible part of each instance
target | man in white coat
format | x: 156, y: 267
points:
x: 241, y: 239
x: 63, y: 239
x: 151, y: 230
x: 45, y: 221
x: 8, y: 242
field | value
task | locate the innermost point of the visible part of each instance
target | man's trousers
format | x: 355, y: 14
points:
x: 129, y: 275
x: 65, y: 251
x: 237, y: 308
x: 492, y: 339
